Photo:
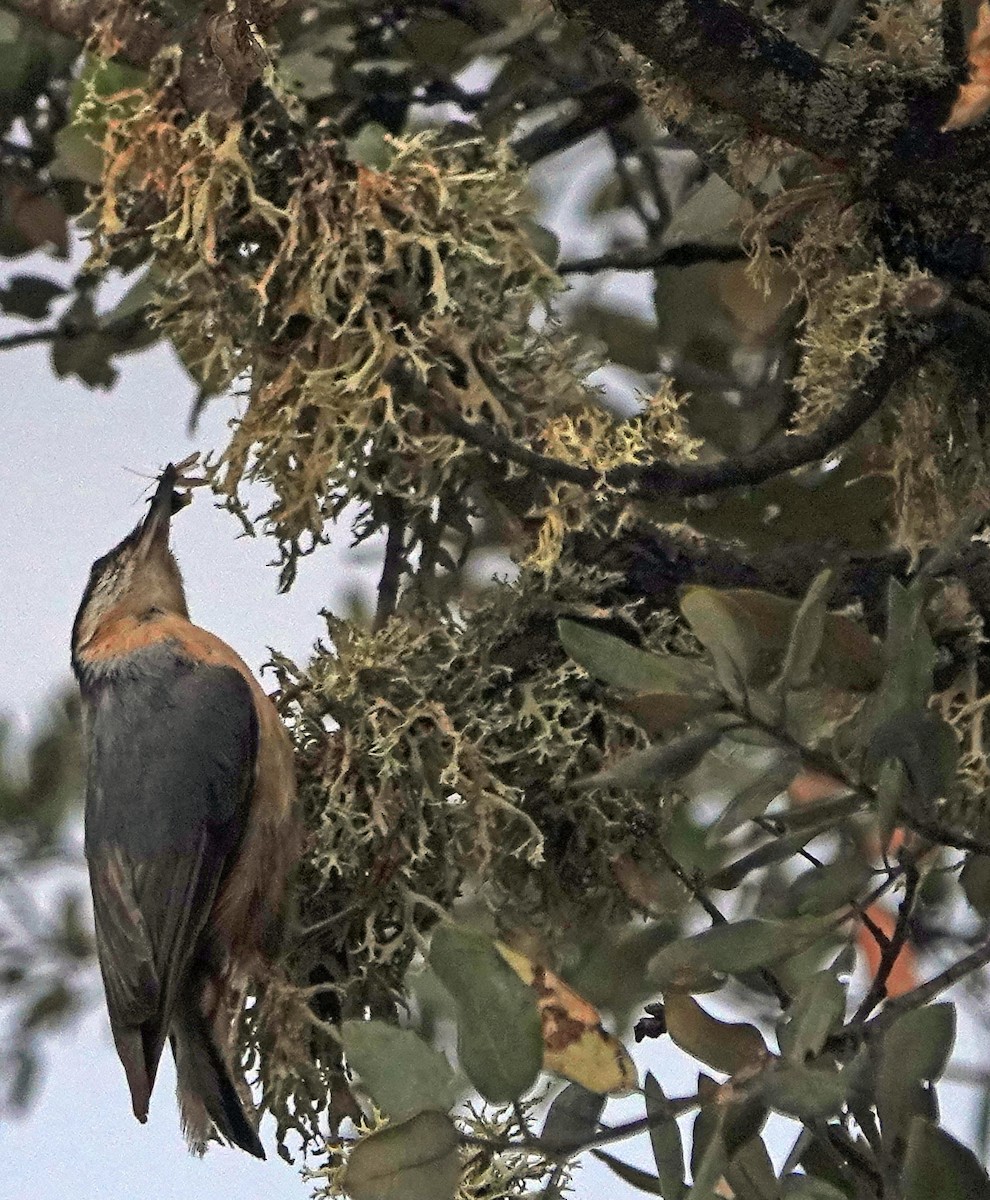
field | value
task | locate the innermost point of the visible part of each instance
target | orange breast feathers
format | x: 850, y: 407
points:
x: 248, y: 909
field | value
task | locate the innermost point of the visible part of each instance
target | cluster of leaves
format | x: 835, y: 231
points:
x: 781, y: 685
x: 46, y: 951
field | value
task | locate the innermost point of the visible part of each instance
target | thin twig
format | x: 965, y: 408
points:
x: 716, y: 916
x: 877, y: 991
x: 653, y: 258
x: 920, y: 996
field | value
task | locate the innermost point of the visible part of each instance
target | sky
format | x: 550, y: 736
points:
x: 70, y: 488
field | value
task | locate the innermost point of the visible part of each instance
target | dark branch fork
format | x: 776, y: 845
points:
x: 664, y: 479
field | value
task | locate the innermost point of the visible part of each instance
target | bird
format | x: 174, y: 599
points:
x: 191, y: 829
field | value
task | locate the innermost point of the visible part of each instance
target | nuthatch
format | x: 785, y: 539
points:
x: 191, y: 828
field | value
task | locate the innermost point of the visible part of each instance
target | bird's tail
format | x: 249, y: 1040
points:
x: 208, y: 1099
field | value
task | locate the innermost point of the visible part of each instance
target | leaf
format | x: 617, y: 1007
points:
x: 973, y: 97
x: 30, y: 296
x: 708, y: 1156
x: 937, y: 1167
x: 611, y: 660
x: 38, y: 216
x: 805, y: 639
x: 914, y: 1052
x: 753, y: 629
x: 643, y: 1181
x: 372, y: 147
x: 77, y: 156
x: 822, y: 890
x: 402, y: 1074
x: 775, y: 850
x: 718, y: 1044
x: 50, y: 1008
x: 891, y: 791
x: 499, y: 1040
x: 660, y: 712
x: 629, y: 339
x: 755, y: 797
x: 574, y: 1043
x: 803, y: 1092
x: 572, y: 1118
x: 665, y: 1138
x: 926, y: 745
x: 656, y: 765
x: 750, y: 1173
x: 738, y: 654
x: 909, y: 653
x: 806, y: 1187
x: 414, y: 1160
x: 975, y: 881
x: 817, y: 1010
x: 734, y: 949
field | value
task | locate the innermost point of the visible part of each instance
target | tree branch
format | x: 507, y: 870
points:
x: 651, y: 258
x: 663, y: 479
x: 742, y: 64
x: 388, y: 585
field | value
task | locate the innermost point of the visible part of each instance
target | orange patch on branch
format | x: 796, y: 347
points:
x: 973, y: 98
x: 904, y: 973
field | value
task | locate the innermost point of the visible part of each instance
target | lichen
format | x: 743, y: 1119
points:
x: 436, y: 755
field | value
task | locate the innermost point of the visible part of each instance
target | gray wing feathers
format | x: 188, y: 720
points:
x: 172, y: 752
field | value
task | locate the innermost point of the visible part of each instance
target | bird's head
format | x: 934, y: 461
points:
x: 139, y: 575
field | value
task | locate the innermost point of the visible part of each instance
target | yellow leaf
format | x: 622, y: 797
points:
x: 574, y: 1043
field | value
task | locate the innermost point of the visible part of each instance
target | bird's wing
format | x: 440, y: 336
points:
x: 172, y: 751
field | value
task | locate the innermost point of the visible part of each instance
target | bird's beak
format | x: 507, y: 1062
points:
x: 164, y: 504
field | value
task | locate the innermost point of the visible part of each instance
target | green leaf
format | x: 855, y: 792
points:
x: 806, y: 1187
x: 77, y: 156
x: 803, y: 1092
x: 734, y: 949
x: 499, y: 1035
x: 824, y: 889
x: 643, y: 1181
x: 755, y: 797
x: 722, y: 1045
x: 922, y: 1039
x: 892, y: 791
x: 805, y: 639
x: 402, y: 1074
x: 665, y: 1138
x: 750, y: 631
x: 937, y: 1167
x: 775, y: 850
x: 909, y: 653
x: 371, y: 146
x: 657, y: 765
x: 572, y: 1118
x: 737, y: 652
x: 817, y: 1010
x: 915, y: 1051
x: 925, y: 743
x: 10, y: 26
x: 415, y: 1160
x: 708, y: 1156
x: 612, y: 660
x: 975, y: 881
x: 660, y: 712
